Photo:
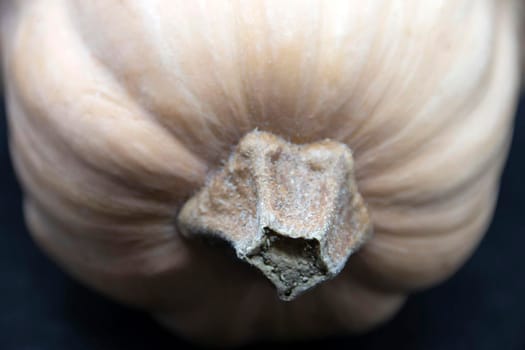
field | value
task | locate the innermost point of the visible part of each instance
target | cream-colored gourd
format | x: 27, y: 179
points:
x: 347, y: 151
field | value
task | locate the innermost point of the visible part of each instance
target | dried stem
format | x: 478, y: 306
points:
x: 292, y: 211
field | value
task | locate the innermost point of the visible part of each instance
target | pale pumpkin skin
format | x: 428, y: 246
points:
x: 118, y: 110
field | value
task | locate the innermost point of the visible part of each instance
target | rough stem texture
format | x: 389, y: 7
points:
x: 292, y: 211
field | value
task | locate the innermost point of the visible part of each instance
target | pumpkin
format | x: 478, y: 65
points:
x: 184, y: 157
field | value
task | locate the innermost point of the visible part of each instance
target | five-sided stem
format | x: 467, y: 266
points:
x: 292, y: 211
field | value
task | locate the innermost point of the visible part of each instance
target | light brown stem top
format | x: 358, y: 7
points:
x: 292, y: 211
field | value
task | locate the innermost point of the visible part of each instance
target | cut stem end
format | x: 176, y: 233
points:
x: 293, y: 265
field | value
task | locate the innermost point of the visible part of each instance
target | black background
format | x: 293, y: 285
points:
x: 481, y: 307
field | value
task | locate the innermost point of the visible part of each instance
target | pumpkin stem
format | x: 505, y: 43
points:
x: 292, y: 211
